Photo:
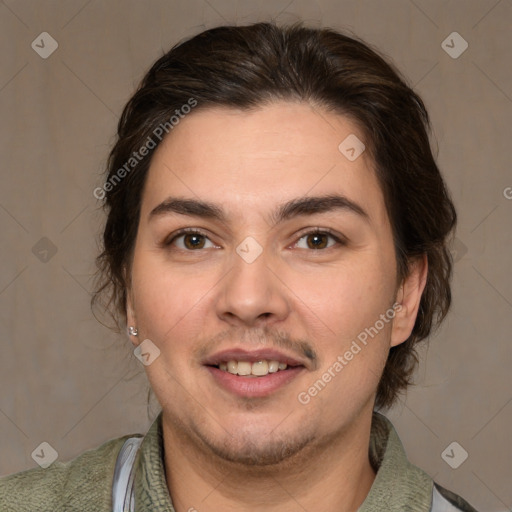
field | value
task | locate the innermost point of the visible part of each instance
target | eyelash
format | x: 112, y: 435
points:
x: 316, y: 231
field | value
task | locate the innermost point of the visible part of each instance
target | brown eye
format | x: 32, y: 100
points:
x: 192, y: 240
x: 319, y: 240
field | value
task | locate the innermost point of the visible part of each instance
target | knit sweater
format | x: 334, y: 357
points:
x: 85, y: 483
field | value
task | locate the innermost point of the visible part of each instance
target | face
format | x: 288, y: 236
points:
x: 289, y: 259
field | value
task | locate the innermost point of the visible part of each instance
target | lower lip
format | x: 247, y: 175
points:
x: 254, y: 386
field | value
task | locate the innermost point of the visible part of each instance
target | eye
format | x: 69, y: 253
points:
x: 317, y: 239
x: 192, y: 240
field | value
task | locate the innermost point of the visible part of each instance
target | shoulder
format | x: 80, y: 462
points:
x: 403, y: 483
x: 81, y: 484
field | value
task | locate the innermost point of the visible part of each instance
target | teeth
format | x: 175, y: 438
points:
x: 244, y: 368
x: 259, y: 368
x: 273, y: 366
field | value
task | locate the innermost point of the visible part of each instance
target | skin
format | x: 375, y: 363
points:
x: 192, y: 302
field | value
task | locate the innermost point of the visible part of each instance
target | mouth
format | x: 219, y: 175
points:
x: 248, y: 369
x: 253, y: 374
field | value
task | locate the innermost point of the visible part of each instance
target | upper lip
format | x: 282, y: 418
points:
x: 239, y: 354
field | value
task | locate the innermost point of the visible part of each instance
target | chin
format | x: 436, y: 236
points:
x: 254, y: 448
x: 247, y: 452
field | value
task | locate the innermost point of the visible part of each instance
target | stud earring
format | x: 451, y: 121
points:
x: 132, y: 331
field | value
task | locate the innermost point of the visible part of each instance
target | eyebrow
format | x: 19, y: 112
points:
x: 300, y: 206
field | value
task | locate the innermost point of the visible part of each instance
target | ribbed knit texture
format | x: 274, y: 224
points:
x: 151, y: 492
x: 398, y: 484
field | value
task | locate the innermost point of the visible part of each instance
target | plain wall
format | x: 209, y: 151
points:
x: 69, y: 381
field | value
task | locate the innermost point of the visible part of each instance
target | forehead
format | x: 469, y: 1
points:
x: 249, y: 161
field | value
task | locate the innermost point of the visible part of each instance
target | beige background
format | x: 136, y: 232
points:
x: 68, y: 381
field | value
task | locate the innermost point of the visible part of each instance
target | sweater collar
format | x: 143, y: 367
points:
x: 150, y: 486
x: 398, y: 484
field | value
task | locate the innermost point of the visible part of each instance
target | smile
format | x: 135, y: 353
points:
x: 253, y: 374
x: 246, y: 368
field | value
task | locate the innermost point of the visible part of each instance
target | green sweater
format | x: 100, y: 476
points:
x: 85, y: 483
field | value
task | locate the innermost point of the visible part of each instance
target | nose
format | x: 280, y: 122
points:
x: 252, y: 293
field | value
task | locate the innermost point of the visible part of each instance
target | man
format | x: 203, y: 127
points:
x: 276, y: 245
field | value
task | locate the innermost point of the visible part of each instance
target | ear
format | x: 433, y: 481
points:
x: 409, y: 297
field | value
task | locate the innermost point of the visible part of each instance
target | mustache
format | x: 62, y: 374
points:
x: 258, y: 338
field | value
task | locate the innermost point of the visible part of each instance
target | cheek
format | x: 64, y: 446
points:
x: 167, y: 301
x: 170, y: 311
x: 346, y: 309
x: 348, y: 377
x: 345, y: 299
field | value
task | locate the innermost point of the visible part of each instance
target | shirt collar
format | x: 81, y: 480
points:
x: 151, y: 492
x: 398, y: 484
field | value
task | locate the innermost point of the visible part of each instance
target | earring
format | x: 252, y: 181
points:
x: 132, y: 331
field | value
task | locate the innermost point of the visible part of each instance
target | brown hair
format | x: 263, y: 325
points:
x: 249, y: 66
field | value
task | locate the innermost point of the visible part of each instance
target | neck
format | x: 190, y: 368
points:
x: 332, y: 474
